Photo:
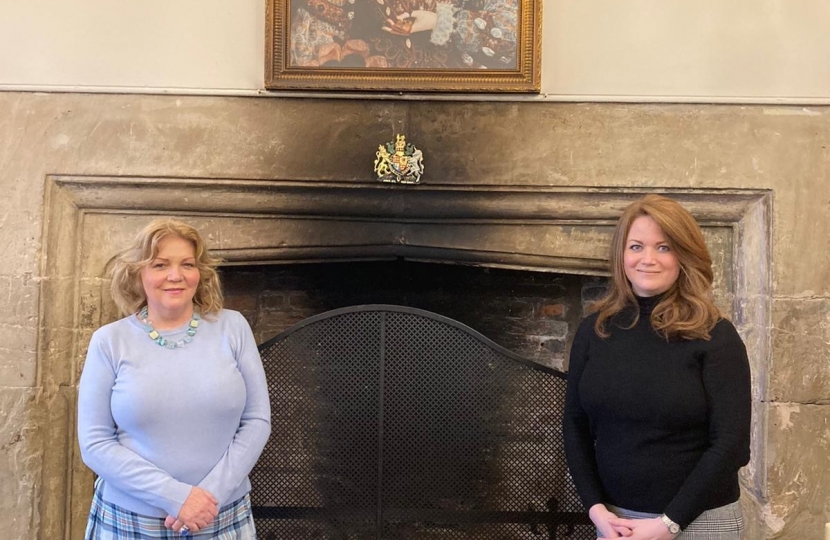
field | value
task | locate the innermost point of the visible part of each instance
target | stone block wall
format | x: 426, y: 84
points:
x: 782, y: 151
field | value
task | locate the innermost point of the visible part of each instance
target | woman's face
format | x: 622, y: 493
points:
x: 650, y: 264
x: 171, y: 279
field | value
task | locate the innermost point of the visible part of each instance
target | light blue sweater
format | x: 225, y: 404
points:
x: 154, y: 422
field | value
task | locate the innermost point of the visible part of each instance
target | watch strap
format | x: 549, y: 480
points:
x: 673, y: 527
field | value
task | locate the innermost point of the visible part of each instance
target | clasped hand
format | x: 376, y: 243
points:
x: 198, y: 511
x: 611, y: 526
x: 642, y: 529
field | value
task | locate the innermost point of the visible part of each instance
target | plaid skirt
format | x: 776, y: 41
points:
x: 111, y: 522
x: 722, y: 523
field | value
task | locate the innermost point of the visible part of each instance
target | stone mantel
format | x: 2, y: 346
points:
x: 391, y: 201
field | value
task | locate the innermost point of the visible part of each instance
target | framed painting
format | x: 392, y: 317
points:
x: 404, y: 45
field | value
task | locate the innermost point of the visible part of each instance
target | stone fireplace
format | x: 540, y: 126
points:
x: 262, y: 228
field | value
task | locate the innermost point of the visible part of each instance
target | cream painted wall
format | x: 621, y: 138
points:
x: 706, y: 50
x: 716, y: 48
x: 195, y: 44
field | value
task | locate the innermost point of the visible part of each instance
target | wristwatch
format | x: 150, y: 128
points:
x: 674, y: 528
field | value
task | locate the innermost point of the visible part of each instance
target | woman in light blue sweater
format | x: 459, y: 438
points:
x: 173, y: 407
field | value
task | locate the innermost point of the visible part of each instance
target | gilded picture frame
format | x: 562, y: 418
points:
x: 473, y: 46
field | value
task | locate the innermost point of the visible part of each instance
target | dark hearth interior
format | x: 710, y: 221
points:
x: 530, y: 313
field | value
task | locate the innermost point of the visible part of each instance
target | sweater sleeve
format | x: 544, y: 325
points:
x: 255, y: 425
x: 579, y: 442
x: 98, y: 438
x: 726, y: 380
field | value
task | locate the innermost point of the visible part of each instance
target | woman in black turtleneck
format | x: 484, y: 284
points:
x: 657, y: 415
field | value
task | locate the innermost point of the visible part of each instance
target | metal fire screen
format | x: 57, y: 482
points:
x: 396, y: 423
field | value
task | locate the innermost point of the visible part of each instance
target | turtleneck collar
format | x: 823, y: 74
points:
x: 648, y: 303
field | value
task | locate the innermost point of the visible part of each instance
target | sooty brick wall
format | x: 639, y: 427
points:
x: 531, y: 313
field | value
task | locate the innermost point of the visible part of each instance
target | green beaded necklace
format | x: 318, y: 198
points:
x: 169, y: 344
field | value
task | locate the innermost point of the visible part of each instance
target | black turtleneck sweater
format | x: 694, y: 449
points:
x: 657, y: 425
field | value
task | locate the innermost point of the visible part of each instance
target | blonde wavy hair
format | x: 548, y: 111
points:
x: 127, y: 289
x: 686, y: 310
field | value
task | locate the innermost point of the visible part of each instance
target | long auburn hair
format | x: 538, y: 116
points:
x: 127, y: 289
x: 686, y: 310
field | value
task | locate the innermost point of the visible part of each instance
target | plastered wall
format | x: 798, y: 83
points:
x: 705, y: 50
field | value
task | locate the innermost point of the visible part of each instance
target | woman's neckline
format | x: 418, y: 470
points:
x: 166, y: 325
x: 648, y: 303
x: 165, y: 330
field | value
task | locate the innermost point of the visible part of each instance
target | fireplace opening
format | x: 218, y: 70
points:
x: 394, y: 422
